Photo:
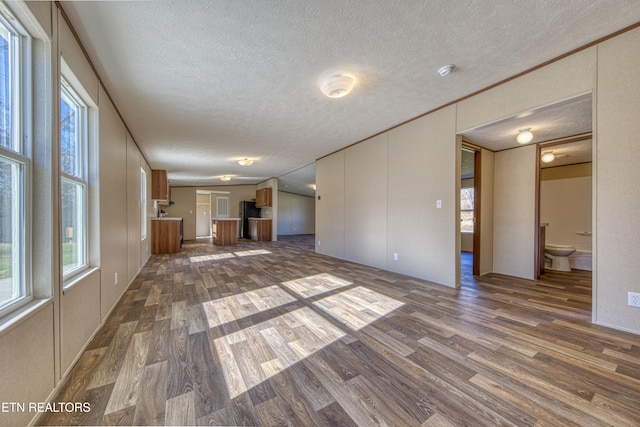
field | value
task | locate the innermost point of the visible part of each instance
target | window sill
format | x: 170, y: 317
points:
x: 466, y: 232
x: 77, y: 279
x: 10, y: 321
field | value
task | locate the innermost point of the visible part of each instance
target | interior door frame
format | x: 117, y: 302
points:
x: 477, y: 184
x: 477, y: 178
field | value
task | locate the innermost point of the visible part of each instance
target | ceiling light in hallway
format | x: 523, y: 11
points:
x: 548, y: 157
x: 524, y: 136
x: 245, y: 162
x: 225, y: 178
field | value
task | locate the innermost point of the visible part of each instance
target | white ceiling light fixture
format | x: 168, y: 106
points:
x: 548, y: 157
x: 524, y: 136
x: 245, y: 162
x: 337, y: 86
x: 446, y: 70
x: 225, y: 178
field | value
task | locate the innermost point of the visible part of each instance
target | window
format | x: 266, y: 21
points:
x: 222, y: 207
x: 15, y: 166
x: 74, y: 181
x: 143, y: 203
x: 466, y: 210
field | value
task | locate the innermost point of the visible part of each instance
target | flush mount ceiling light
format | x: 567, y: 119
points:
x: 524, y: 136
x: 245, y: 162
x: 337, y: 86
x: 225, y: 178
x: 548, y: 157
x: 446, y: 70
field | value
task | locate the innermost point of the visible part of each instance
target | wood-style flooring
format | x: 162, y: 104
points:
x: 273, y: 334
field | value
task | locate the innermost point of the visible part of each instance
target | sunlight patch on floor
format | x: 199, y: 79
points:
x: 315, y: 285
x: 254, y: 354
x: 226, y: 255
x: 357, y: 307
x: 211, y: 257
x: 252, y: 252
x: 234, y: 307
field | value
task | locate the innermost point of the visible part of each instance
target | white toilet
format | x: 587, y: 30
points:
x: 557, y: 257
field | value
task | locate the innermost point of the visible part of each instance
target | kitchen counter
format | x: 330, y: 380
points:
x: 166, y: 218
x: 260, y: 229
x: 166, y: 235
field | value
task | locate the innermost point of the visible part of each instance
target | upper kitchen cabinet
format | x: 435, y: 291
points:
x: 159, y: 185
x: 263, y: 197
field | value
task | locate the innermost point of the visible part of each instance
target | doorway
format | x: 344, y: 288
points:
x: 203, y: 220
x: 565, y: 202
x: 511, y: 180
x: 470, y: 210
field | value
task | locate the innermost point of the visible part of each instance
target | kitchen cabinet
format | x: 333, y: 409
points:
x: 159, y: 185
x: 225, y: 231
x: 263, y: 197
x: 260, y: 229
x: 166, y: 235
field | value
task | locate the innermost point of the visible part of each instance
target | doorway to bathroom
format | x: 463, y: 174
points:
x: 511, y: 181
x: 565, y: 204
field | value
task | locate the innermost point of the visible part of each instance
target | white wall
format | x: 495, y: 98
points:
x: 617, y: 179
x: 379, y: 197
x: 296, y: 214
x: 366, y: 202
x: 514, y: 208
x: 422, y: 170
x: 330, y: 205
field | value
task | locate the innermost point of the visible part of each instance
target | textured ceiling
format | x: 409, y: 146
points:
x: 204, y: 83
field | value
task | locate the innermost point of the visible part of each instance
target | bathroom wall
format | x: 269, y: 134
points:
x: 565, y: 204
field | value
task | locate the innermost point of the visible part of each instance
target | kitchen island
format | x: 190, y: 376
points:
x: 225, y: 231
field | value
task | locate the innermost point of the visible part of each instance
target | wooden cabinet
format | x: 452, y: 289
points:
x: 165, y: 235
x: 159, y: 185
x: 263, y: 197
x: 260, y: 229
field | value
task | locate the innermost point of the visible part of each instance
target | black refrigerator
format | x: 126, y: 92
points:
x: 247, y: 210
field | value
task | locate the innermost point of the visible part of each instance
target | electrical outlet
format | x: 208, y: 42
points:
x: 115, y: 279
x: 634, y: 299
x: 319, y: 242
x: 395, y: 256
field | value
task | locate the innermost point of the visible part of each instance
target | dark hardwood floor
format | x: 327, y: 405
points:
x: 271, y: 334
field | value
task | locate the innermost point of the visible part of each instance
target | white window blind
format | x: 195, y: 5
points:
x: 222, y: 207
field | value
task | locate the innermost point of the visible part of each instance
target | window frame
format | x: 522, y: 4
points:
x: 19, y: 154
x: 472, y: 210
x: 80, y: 179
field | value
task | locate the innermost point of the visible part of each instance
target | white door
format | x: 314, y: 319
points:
x: 203, y: 220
